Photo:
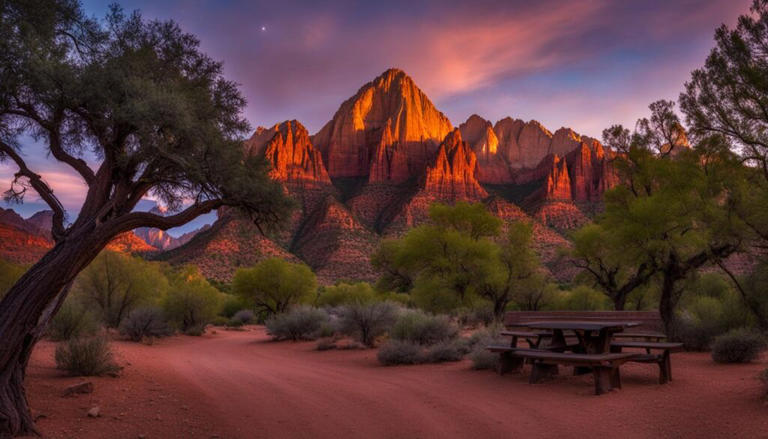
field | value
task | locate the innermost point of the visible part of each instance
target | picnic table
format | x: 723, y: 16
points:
x: 594, y: 337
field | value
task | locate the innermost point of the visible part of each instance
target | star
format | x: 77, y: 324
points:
x: 263, y: 28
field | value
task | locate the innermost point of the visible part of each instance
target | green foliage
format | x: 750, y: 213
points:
x: 72, y: 321
x: 86, y: 356
x: 368, y: 321
x: 583, y: 298
x: 232, y: 304
x: 470, y: 219
x: 114, y: 284
x: 274, y: 285
x: 424, y: 329
x: 143, y: 323
x: 300, y: 323
x: 738, y: 346
x: 9, y: 274
x: 345, y: 294
x: 710, y: 308
x: 191, y: 302
x: 453, y: 262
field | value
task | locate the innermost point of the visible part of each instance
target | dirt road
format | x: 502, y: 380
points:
x: 241, y: 385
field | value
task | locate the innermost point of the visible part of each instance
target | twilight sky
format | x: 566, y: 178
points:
x: 584, y: 64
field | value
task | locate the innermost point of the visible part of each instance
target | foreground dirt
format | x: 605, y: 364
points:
x: 241, y: 385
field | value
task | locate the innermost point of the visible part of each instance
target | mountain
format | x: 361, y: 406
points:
x: 21, y: 242
x: 389, y: 126
x: 24, y: 241
x: 385, y: 156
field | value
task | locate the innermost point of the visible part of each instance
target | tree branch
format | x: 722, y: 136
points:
x: 135, y: 220
x: 37, y: 183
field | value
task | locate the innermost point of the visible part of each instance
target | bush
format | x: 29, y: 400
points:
x: 737, y: 346
x: 700, y: 322
x: 232, y: 304
x: 274, y: 285
x: 481, y: 357
x: 400, y: 352
x: 71, y: 321
x: 242, y: 317
x: 86, y: 356
x: 452, y: 350
x: 368, y: 321
x: 145, y: 322
x: 301, y: 323
x: 192, y: 302
x: 346, y: 294
x: 424, y: 329
x: 220, y: 321
x: 326, y: 344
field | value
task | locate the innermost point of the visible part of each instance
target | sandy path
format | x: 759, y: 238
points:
x: 240, y: 385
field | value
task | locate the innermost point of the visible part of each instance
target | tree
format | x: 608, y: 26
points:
x: 192, y: 302
x: 513, y: 271
x: 728, y: 96
x: 156, y: 117
x: 116, y: 283
x: 273, y: 285
x: 668, y: 218
x: 608, y: 266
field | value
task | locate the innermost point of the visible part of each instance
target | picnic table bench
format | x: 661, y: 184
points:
x: 661, y: 358
x: 604, y: 366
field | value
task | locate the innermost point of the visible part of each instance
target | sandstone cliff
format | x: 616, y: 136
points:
x: 351, y: 140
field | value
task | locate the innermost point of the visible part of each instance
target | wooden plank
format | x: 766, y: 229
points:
x: 585, y: 325
x: 667, y: 346
x: 650, y: 320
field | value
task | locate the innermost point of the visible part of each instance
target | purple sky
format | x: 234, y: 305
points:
x: 584, y: 64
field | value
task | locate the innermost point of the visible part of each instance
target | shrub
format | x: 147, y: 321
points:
x: 737, y: 346
x: 274, y: 285
x: 114, y: 284
x: 478, y: 316
x: 220, y: 321
x: 700, y: 322
x: 424, y: 329
x: 145, y: 322
x: 86, y: 356
x: 451, y: 350
x: 325, y: 344
x: 243, y: 317
x: 71, y: 321
x: 346, y: 294
x: 368, y: 321
x: 301, y: 323
x: 232, y: 304
x: 400, y: 352
x: 482, y: 358
x: 192, y: 302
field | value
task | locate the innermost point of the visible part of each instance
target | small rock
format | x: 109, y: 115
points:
x: 142, y: 436
x: 94, y: 412
x: 84, y: 387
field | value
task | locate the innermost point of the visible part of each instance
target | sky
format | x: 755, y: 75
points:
x: 583, y: 64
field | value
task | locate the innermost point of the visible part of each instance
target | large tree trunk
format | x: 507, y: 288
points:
x: 25, y: 313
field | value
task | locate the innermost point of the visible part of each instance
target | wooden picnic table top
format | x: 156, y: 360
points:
x: 583, y: 325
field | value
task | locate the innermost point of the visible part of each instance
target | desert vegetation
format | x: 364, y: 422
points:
x: 680, y: 224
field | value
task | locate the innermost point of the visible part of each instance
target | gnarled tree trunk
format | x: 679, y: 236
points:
x: 25, y: 313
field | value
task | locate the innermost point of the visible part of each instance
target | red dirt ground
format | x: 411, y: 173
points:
x: 241, y: 385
